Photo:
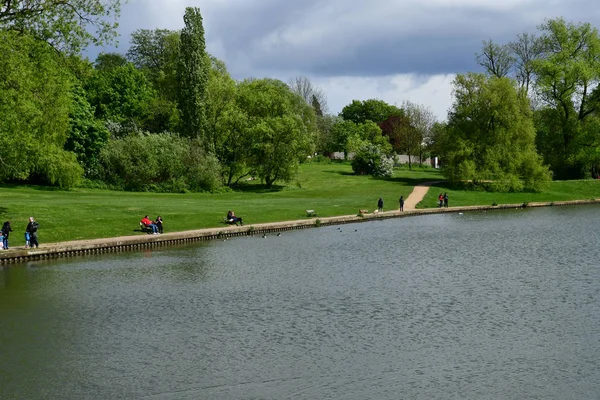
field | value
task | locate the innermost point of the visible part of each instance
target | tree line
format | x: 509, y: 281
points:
x: 167, y: 116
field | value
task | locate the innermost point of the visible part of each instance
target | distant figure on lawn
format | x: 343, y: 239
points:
x: 149, y: 224
x: 159, y: 224
x: 31, y: 230
x: 440, y: 200
x: 380, y: 205
x: 6, y: 229
x: 446, y: 200
x: 401, y: 203
x: 231, y: 218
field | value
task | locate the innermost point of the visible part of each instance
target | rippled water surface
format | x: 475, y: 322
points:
x: 497, y: 305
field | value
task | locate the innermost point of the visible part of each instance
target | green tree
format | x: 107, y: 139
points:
x: 86, y: 135
x: 567, y: 81
x: 219, y: 101
x: 109, y: 61
x: 193, y: 74
x: 34, y: 108
x: 491, y: 136
x: 349, y: 137
x: 156, y: 53
x: 280, y: 126
x: 121, y: 95
x: 369, y: 110
x: 404, y: 136
x: 68, y: 25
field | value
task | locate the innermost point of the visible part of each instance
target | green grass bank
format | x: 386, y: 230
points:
x: 330, y: 189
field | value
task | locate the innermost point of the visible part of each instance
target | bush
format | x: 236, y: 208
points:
x: 370, y: 160
x: 158, y: 163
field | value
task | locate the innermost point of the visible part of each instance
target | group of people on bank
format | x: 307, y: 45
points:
x: 156, y: 226
x: 442, y: 202
x: 31, y: 238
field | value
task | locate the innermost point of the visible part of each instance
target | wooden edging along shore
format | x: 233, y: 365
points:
x: 125, y: 243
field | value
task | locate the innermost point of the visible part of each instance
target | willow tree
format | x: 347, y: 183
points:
x: 193, y: 72
x: 34, y: 112
x: 491, y: 136
x: 68, y: 25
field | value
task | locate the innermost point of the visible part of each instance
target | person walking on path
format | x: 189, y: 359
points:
x: 380, y: 205
x: 32, y: 228
x: 401, y: 203
x: 6, y: 229
x: 446, y: 200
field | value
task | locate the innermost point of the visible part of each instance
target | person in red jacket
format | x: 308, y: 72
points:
x: 149, y: 224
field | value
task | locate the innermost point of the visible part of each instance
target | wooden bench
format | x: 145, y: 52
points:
x: 145, y: 229
x: 311, y: 213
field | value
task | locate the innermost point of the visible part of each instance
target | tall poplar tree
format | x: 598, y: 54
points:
x: 193, y: 70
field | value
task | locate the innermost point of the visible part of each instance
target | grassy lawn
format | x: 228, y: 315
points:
x: 330, y: 189
x: 558, y: 191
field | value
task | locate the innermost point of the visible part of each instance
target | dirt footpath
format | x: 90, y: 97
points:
x: 417, y: 195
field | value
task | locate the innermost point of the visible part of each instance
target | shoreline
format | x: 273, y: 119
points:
x: 125, y: 243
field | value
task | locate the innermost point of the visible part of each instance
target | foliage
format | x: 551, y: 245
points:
x: 219, y: 102
x: 491, y: 136
x: 192, y: 74
x: 120, y: 94
x: 86, y: 135
x: 371, y: 160
x: 156, y: 53
x: 34, y: 108
x: 403, y: 135
x: 369, y: 110
x: 280, y: 128
x: 348, y: 136
x: 65, y: 24
x: 158, y: 162
x: 109, y: 61
x: 567, y: 82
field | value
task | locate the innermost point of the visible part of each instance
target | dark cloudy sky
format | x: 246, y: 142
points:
x: 394, y: 50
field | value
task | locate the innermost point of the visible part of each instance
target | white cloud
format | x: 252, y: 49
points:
x: 434, y: 91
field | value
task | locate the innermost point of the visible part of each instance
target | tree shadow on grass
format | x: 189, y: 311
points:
x: 257, y: 188
x: 345, y: 173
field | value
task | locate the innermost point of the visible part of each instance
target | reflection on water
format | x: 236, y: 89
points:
x: 502, y: 304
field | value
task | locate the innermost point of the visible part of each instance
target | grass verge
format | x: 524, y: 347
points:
x: 329, y: 189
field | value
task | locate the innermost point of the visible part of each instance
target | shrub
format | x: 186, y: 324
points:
x: 370, y: 160
x: 159, y: 163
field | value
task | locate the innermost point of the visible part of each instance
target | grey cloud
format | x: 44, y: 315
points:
x: 349, y: 37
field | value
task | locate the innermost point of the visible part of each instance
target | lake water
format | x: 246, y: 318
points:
x: 496, y: 305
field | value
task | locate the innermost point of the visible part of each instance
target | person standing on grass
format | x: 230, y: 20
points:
x: 440, y: 200
x: 6, y: 229
x: 31, y: 229
x: 380, y: 205
x: 401, y: 203
x: 446, y: 200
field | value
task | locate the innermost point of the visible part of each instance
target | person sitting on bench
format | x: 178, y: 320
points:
x: 231, y: 218
x: 149, y: 224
